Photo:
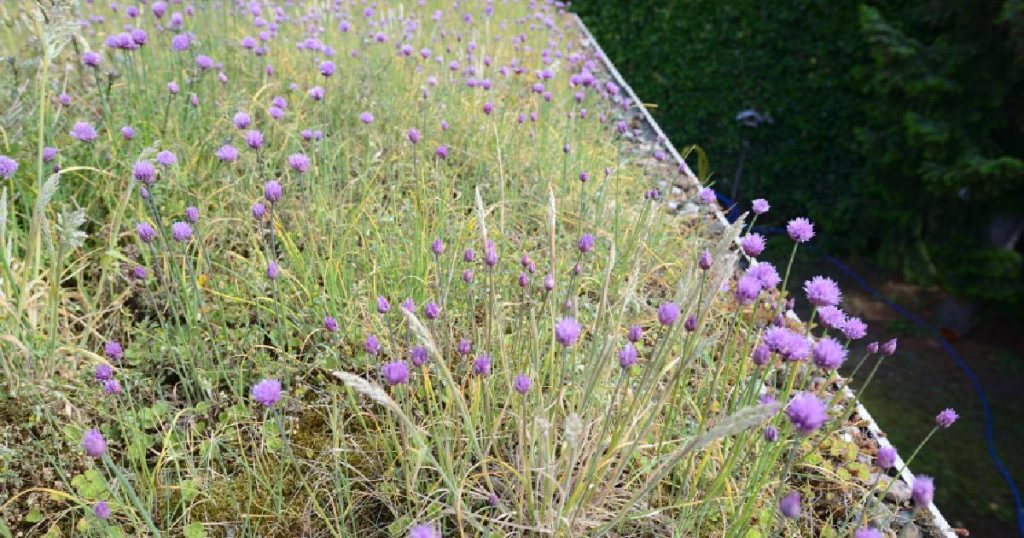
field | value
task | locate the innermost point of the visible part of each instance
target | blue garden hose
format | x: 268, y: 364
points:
x: 979, y: 391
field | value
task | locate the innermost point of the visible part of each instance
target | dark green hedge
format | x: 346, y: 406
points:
x: 897, y: 128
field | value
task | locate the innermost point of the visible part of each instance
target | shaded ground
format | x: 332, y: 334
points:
x: 910, y: 388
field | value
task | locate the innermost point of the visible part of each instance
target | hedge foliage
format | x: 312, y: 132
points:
x: 897, y: 127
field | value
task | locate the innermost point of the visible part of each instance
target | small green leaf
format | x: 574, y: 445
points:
x: 194, y: 530
x: 90, y: 484
x: 189, y: 490
x: 35, y: 515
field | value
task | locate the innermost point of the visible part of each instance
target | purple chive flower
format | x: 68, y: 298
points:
x: 431, y: 310
x: 437, y: 247
x: 442, y: 151
x: 854, y: 328
x: 101, y: 511
x: 104, y: 372
x: 468, y: 256
x: 227, y: 153
x: 242, y: 120
x: 761, y: 355
x: 832, y: 317
x: 146, y: 232
x: 372, y: 345
x: 464, y: 346
x: 828, y: 354
x: 327, y: 68
x: 922, y: 490
x: 273, y: 271
x: 707, y: 195
x: 889, y: 348
x: 315, y: 93
x: 886, y: 458
x: 91, y: 59
x: 139, y: 272
x: 690, y: 324
x: 275, y: 112
x: 488, y: 108
x: 635, y: 333
x: 267, y: 392
x: 8, y: 167
x: 753, y: 244
x: 668, y: 312
x: 806, y: 412
x: 521, y: 384
x: 181, y: 231
x: 822, y: 291
x: 419, y: 355
x: 413, y: 134
x: 567, y: 331
x: 258, y: 210
x: 94, y: 444
x: 705, y: 261
x: 766, y: 274
x: 272, y: 191
x: 395, y: 373
x: 771, y: 434
x: 143, y: 171
x: 872, y: 348
x: 298, y: 162
x: 180, y: 43
x: 790, y: 345
x: 112, y: 386
x: 584, y: 177
x: 467, y: 276
x: 83, y: 131
x: 172, y: 88
x: 867, y: 532
x: 586, y: 243
x: 424, y: 531
x: 192, y: 214
x: 491, y: 255
x: 760, y: 206
x: 204, y: 62
x: 627, y: 356
x: 946, y: 418
x: 747, y: 289
x: 800, y: 230
x: 408, y: 305
x: 366, y: 118
x: 330, y: 324
x: 549, y: 282
x: 127, y: 132
x: 790, y: 505
x: 383, y: 306
x: 254, y: 139
x: 64, y: 99
x: 482, y: 365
